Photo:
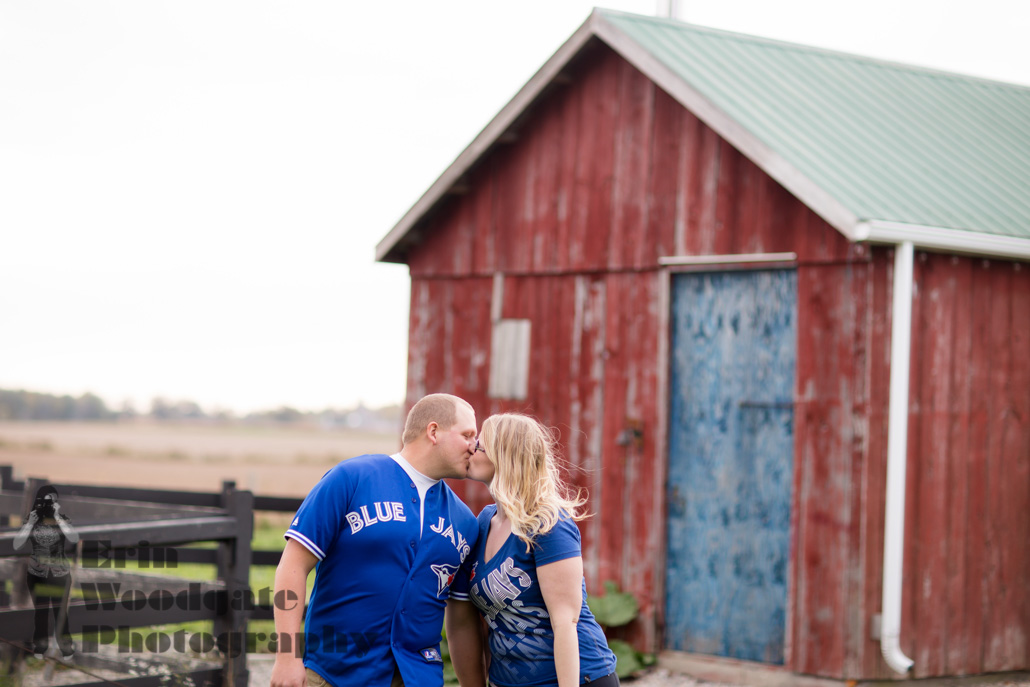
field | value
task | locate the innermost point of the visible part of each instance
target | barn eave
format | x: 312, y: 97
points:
x: 943, y: 240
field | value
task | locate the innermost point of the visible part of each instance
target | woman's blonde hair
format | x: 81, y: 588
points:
x: 527, y: 485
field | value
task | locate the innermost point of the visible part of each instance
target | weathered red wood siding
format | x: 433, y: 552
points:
x: 828, y: 438
x: 967, y: 562
x: 966, y: 568
x: 608, y: 174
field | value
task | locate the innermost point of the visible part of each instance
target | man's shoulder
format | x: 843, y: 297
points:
x: 348, y: 474
x: 458, y: 508
x: 369, y: 459
x: 363, y: 463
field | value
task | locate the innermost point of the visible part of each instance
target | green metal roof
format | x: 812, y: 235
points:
x: 884, y: 152
x: 888, y: 142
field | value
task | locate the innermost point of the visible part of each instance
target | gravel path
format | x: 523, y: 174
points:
x: 660, y: 677
x: 261, y: 674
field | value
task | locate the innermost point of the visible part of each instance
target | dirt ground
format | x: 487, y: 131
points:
x: 270, y: 461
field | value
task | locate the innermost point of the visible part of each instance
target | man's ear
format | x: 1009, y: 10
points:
x: 431, y: 432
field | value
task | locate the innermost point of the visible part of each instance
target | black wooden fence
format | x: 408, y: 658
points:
x: 153, y: 529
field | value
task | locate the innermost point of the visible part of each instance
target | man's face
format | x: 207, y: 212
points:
x: 457, y: 444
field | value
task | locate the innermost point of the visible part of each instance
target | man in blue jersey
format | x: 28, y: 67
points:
x: 387, y: 536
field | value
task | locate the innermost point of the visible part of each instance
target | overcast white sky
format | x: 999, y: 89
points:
x: 191, y: 191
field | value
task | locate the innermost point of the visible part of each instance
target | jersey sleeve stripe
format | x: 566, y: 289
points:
x: 459, y: 596
x: 306, y: 543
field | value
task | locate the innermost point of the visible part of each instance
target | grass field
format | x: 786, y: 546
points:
x: 272, y: 461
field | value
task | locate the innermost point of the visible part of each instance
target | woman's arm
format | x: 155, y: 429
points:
x: 62, y: 521
x: 561, y: 583
x: 26, y: 529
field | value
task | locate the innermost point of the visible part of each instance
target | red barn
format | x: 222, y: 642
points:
x: 776, y: 301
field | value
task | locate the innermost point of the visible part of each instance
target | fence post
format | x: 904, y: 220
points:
x: 6, y: 484
x: 8, y: 654
x: 11, y: 658
x: 234, y: 570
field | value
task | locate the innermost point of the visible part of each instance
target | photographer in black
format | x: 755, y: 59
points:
x: 49, y: 572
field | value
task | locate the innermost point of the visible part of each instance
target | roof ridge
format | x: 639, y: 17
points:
x: 805, y: 48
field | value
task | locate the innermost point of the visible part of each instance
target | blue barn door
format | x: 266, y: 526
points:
x: 731, y: 456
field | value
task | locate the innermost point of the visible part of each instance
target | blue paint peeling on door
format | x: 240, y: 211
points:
x: 731, y: 456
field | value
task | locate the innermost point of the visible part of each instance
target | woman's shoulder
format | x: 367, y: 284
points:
x: 565, y: 526
x: 487, y: 512
x: 560, y: 542
x: 563, y: 536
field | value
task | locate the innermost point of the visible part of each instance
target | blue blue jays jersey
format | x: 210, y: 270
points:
x: 506, y: 591
x: 382, y: 582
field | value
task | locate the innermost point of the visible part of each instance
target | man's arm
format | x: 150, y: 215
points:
x: 465, y: 641
x: 291, y: 579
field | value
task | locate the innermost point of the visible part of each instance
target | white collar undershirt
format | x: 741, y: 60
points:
x: 422, y: 484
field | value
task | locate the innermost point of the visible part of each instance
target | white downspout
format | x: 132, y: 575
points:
x: 670, y: 8
x: 897, y: 460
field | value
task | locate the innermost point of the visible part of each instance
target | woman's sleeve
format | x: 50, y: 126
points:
x: 561, y: 542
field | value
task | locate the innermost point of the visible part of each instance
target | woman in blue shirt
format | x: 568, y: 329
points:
x: 526, y: 576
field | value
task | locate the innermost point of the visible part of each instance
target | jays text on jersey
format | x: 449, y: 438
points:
x: 381, y: 584
x: 506, y: 591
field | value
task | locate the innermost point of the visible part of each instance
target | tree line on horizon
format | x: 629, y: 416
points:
x: 22, y: 405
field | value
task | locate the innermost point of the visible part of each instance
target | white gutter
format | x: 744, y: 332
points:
x: 897, y: 461
x: 944, y: 240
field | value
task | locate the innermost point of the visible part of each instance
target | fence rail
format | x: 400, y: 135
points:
x: 155, y: 526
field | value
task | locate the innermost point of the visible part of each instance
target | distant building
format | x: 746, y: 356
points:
x: 374, y: 419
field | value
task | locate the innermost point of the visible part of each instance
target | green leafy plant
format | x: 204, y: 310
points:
x: 615, y: 609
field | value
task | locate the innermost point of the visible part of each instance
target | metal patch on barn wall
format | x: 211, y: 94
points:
x: 731, y: 456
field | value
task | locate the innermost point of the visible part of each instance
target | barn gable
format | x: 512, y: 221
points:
x: 882, y: 152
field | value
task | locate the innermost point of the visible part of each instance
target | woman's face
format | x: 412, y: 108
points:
x: 480, y: 467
